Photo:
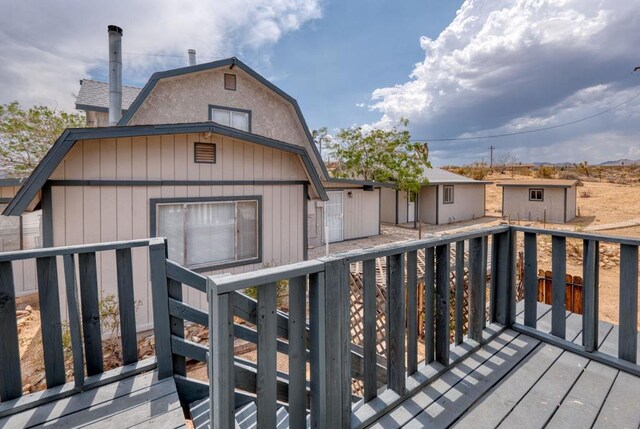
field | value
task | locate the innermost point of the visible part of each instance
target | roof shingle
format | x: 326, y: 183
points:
x: 94, y: 95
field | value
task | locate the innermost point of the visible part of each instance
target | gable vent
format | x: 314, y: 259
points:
x: 204, y: 152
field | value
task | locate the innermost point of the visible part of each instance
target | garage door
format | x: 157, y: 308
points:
x: 333, y: 216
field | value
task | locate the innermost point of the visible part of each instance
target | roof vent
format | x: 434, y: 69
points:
x: 192, y: 57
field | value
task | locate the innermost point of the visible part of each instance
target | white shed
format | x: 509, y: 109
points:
x: 539, y: 200
x: 444, y: 198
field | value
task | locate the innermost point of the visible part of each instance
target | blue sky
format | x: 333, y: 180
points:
x: 453, y: 68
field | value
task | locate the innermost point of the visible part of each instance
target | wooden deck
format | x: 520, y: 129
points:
x: 518, y: 381
x: 139, y: 401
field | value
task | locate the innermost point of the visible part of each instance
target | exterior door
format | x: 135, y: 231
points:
x: 333, y: 216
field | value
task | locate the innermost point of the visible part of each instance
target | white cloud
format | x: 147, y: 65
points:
x: 46, y: 47
x: 510, y: 65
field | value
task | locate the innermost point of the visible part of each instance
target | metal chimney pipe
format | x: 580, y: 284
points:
x: 192, y: 57
x: 115, y: 74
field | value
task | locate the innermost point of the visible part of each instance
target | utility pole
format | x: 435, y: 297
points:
x: 491, y: 148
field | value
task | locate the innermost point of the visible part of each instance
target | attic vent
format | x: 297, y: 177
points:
x: 204, y: 153
x: 230, y: 81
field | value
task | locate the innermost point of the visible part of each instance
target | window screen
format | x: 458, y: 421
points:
x: 231, y: 118
x: 447, y: 195
x: 209, y: 233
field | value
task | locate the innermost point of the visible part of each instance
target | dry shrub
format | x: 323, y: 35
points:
x: 585, y: 194
x: 545, y: 172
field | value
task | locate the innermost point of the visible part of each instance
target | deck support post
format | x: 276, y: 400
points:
x: 329, y: 296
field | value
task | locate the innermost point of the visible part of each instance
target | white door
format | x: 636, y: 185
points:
x: 411, y: 211
x: 333, y: 211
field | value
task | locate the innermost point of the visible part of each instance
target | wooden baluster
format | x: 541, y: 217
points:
x: 459, y: 293
x: 476, y: 289
x: 127, y: 306
x: 429, y: 306
x: 628, y: 316
x: 442, y: 304
x: 370, y: 318
x: 395, y: 315
x: 160, y: 301
x: 558, y: 293
x: 10, y: 375
x: 89, y: 298
x: 75, y: 326
x: 590, y: 295
x: 530, y: 280
x: 49, y: 299
x: 412, y: 312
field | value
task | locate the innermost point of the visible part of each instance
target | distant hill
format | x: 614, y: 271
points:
x: 617, y: 163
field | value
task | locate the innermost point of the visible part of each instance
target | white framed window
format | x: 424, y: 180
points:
x: 211, y: 233
x: 447, y: 194
x: 235, y: 118
x: 536, y: 194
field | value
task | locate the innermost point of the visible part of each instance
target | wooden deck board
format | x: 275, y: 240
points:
x: 621, y: 409
x: 134, y: 401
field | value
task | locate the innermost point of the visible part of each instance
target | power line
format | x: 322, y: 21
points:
x: 535, y: 130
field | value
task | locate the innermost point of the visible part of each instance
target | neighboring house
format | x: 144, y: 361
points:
x: 444, y: 198
x: 539, y: 200
x: 212, y: 156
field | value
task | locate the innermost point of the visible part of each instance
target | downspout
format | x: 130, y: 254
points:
x: 115, y: 74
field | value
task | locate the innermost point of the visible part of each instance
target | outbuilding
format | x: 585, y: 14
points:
x: 444, y: 198
x: 539, y: 200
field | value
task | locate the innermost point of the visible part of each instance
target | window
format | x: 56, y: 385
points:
x: 240, y: 119
x: 204, y: 153
x: 447, y: 194
x: 536, y: 195
x: 210, y: 233
x: 230, y: 81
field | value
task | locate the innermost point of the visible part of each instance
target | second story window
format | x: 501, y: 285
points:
x: 236, y: 118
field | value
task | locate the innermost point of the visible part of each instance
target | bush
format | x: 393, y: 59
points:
x: 568, y: 175
x: 546, y: 172
x: 585, y: 194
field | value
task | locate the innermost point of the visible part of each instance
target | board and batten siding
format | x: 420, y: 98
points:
x: 360, y: 216
x: 91, y: 214
x: 388, y: 206
x: 516, y: 204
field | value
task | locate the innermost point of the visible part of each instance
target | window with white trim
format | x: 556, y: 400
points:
x: 210, y: 233
x: 536, y: 195
x: 447, y: 194
x: 231, y: 118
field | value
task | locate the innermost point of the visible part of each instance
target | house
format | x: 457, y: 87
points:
x: 539, y: 200
x: 215, y: 158
x: 444, y: 198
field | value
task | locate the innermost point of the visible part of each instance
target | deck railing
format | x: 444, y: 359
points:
x: 78, y: 279
x: 332, y: 400
x: 627, y: 331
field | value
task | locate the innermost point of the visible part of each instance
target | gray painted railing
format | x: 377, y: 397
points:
x: 79, y: 278
x: 627, y: 347
x: 330, y: 357
x: 331, y: 403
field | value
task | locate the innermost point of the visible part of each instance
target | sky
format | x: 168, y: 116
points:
x: 454, y: 69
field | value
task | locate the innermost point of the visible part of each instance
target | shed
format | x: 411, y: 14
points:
x: 539, y: 200
x: 444, y: 198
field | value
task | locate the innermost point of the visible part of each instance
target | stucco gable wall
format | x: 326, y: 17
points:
x: 185, y: 99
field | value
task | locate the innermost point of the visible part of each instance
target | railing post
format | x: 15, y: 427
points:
x: 628, y: 309
x: 530, y: 280
x: 330, y: 357
x: 558, y: 285
x: 396, y: 322
x: 220, y: 364
x: 160, y: 302
x: 503, y: 278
